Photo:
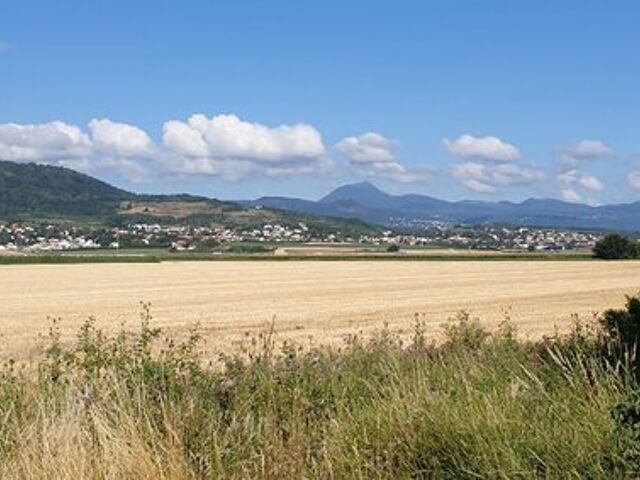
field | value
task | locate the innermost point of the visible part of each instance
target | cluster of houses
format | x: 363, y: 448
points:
x: 187, y: 238
x: 496, y: 238
x: 43, y: 238
x: 193, y: 238
x: 544, y: 239
x: 21, y: 237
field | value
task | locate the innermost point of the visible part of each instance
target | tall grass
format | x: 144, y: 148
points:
x: 478, y: 405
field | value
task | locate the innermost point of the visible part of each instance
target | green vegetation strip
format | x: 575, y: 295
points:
x: 479, y: 405
x: 186, y: 257
x: 74, y: 259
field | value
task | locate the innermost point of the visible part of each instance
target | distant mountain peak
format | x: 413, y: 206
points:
x: 364, y: 201
x: 363, y: 184
x: 365, y: 193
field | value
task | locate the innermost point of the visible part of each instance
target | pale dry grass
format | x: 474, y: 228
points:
x: 74, y: 439
x: 311, y: 301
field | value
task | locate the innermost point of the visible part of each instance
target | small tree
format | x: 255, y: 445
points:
x: 623, y: 325
x: 393, y: 248
x: 615, y: 247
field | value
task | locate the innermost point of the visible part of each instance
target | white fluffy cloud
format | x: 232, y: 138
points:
x: 573, y: 183
x: 222, y: 145
x: 584, y: 150
x: 591, y: 183
x: 373, y: 154
x: 475, y: 176
x: 512, y: 174
x: 111, y: 146
x: 46, y: 142
x: 485, y: 178
x: 572, y: 161
x: 233, y: 148
x: 180, y: 138
x: 61, y: 143
x: 228, y: 146
x: 570, y: 195
x: 588, y: 150
x: 229, y: 137
x: 120, y: 139
x: 491, y: 163
x: 368, y: 147
x: 634, y: 179
x: 484, y: 148
x: 575, y: 177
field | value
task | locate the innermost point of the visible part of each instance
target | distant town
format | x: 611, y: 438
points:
x: 178, y: 238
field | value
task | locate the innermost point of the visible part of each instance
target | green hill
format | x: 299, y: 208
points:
x: 40, y: 191
x: 32, y: 192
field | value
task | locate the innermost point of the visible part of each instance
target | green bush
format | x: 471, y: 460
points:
x: 623, y: 325
x: 616, y: 247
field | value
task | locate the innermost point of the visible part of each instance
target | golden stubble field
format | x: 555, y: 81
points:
x: 311, y: 301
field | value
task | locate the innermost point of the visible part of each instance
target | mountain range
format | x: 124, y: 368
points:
x: 366, y: 202
x: 32, y: 191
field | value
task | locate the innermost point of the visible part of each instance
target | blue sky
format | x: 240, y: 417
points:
x: 457, y: 99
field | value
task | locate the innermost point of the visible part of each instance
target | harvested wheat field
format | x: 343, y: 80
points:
x: 311, y: 301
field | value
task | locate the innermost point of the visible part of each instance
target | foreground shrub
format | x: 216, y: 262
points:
x: 623, y: 325
x: 479, y: 405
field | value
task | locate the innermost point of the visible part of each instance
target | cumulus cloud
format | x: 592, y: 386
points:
x: 511, y: 174
x: 120, y: 139
x: 478, y: 186
x: 570, y: 195
x: 368, y: 147
x: 634, y: 179
x: 591, y: 183
x: 373, y: 154
x: 222, y: 145
x: 46, y: 142
x: 229, y: 137
x: 573, y: 180
x: 486, y: 178
x: 483, y: 148
x: 490, y: 163
x: 475, y: 176
x: 588, y: 150
x: 180, y: 138
x: 572, y: 163
x: 585, y: 150
x: 575, y: 177
x: 228, y: 146
x: 58, y: 143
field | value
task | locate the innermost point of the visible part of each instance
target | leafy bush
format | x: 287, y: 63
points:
x: 616, y: 247
x: 623, y: 325
x: 393, y: 248
x: 627, y: 420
